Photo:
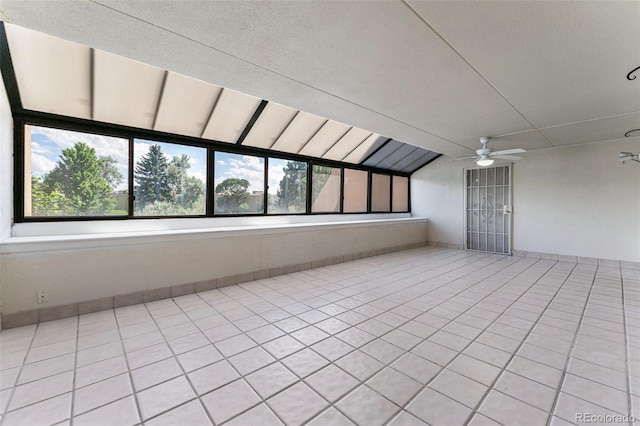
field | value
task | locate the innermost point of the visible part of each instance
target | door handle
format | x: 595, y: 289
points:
x: 506, y: 209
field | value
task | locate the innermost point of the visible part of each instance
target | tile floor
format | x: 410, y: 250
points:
x: 426, y: 336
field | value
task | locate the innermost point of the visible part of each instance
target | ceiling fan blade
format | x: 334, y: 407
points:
x: 509, y: 151
x: 466, y: 158
x: 507, y: 157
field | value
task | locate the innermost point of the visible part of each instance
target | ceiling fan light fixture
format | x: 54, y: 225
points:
x: 484, y: 162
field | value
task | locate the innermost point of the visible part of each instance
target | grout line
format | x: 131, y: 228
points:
x: 517, y: 349
x: 126, y: 360
x: 627, y: 348
x: 460, y: 352
x: 572, y: 347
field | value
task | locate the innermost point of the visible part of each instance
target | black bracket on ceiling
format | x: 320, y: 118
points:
x: 632, y: 77
x: 626, y: 135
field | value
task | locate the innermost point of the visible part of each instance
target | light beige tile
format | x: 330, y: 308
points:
x: 297, y: 404
x: 367, y: 407
x: 251, y: 360
x: 436, y: 409
x: 41, y: 389
x: 162, y: 397
x: 459, y: 388
x: 230, y: 400
x: 49, y: 411
x: 394, y: 385
x: 122, y: 412
x: 191, y: 413
x: 212, y: 377
x: 271, y: 379
x: 332, y: 383
x: 260, y: 415
x: 101, y: 393
x: 152, y: 374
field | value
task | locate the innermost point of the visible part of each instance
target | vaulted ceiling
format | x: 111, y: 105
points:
x: 436, y: 75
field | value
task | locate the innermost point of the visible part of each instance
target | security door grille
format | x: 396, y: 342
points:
x: 488, y: 209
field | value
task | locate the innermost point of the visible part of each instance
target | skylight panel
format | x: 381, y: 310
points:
x: 298, y: 133
x: 361, y: 152
x: 409, y: 159
x: 53, y: 74
x: 390, y: 160
x: 383, y: 153
x: 347, y: 144
x: 230, y: 116
x: 126, y: 92
x: 326, y: 137
x: 270, y: 125
x: 185, y: 105
x: 430, y: 155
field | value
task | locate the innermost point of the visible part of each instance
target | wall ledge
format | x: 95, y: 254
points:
x: 32, y: 244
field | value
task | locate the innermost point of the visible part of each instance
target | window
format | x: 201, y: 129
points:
x: 380, y: 193
x: 239, y: 184
x: 169, y: 179
x: 400, y: 194
x: 92, y: 176
x: 71, y: 174
x: 287, y: 186
x: 355, y: 191
x: 325, y: 194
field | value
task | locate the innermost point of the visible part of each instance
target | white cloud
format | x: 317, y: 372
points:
x: 41, y: 165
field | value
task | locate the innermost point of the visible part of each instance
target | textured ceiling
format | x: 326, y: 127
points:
x: 438, y: 75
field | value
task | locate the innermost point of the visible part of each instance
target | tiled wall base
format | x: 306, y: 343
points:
x: 552, y: 256
x: 64, y: 311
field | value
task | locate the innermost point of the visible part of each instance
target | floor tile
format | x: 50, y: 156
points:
x: 355, y: 337
x: 367, y: 407
x: 191, y: 413
x: 459, y: 388
x: 212, y: 377
x: 198, y: 358
x: 101, y: 393
x: 264, y: 334
x: 436, y: 409
x: 434, y: 352
x: 332, y: 348
x: 402, y: 339
x: 394, y: 385
x: 332, y: 383
x: 283, y: 346
x: 309, y: 335
x: 526, y: 390
x: 475, y: 369
x: 230, y: 400
x: 331, y: 417
x: 271, y: 379
x: 359, y: 365
x: 251, y: 360
x: 304, y: 362
x: 535, y: 371
x: 382, y: 351
x: 417, y: 368
x: 165, y: 396
x: 507, y: 410
x: 152, y: 374
x: 122, y: 412
x: 41, y: 389
x: 234, y: 345
x: 260, y: 415
x: 596, y: 393
x: 297, y: 404
x: 47, y: 412
x: 46, y: 368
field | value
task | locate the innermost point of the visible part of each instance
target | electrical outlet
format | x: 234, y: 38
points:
x: 43, y: 296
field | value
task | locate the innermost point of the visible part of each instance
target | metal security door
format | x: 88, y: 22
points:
x: 488, y: 209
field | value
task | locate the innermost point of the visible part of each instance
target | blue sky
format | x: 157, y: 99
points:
x: 47, y: 145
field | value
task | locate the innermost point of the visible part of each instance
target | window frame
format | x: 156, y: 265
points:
x: 34, y: 118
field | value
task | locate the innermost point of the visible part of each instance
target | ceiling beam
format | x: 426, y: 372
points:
x: 252, y: 121
x: 8, y: 73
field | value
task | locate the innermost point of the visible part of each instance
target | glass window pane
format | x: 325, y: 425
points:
x: 239, y: 184
x: 380, y: 193
x: 400, y: 194
x: 325, y: 195
x: 169, y: 179
x: 75, y: 174
x: 287, y: 186
x: 355, y: 191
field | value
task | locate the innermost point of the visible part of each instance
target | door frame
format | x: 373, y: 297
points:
x: 464, y: 206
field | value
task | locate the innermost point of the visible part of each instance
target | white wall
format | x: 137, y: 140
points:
x: 575, y: 200
x: 6, y: 164
x: 88, y: 268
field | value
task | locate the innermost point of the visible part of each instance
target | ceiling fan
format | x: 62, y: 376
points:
x: 485, y: 156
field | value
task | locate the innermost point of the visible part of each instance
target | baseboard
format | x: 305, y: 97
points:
x: 34, y: 316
